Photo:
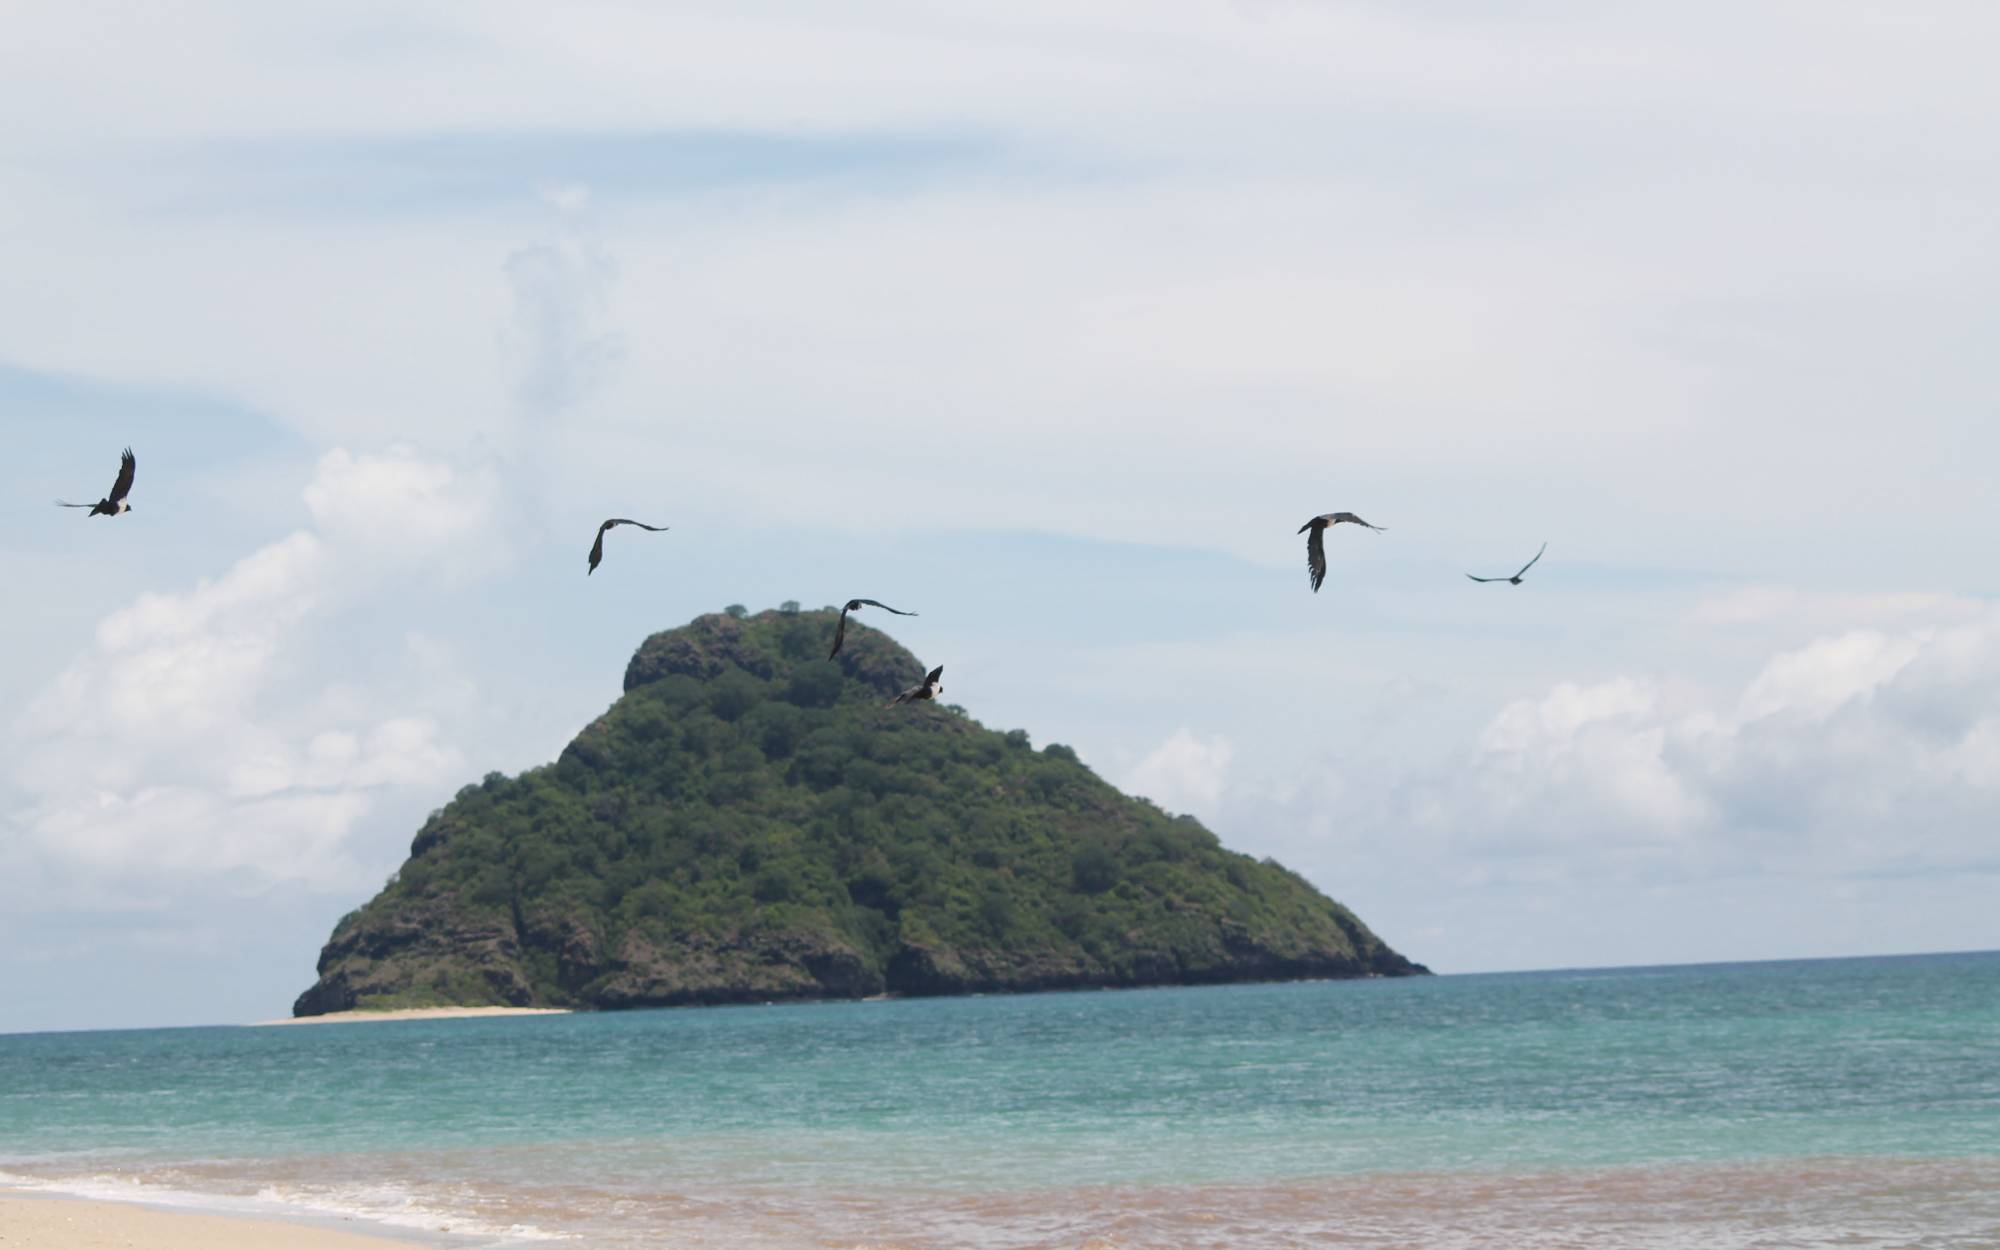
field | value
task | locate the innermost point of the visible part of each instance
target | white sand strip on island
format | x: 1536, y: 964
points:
x: 416, y: 1013
x: 78, y: 1224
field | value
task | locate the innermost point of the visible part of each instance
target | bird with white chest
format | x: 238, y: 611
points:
x: 115, y: 503
x: 929, y: 688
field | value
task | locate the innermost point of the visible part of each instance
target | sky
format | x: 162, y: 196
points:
x: 1051, y: 321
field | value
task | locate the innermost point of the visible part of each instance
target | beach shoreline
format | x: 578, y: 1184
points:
x: 31, y: 1220
x: 412, y: 1013
x: 1474, y: 1111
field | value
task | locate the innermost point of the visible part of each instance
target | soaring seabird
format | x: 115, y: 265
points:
x: 855, y: 605
x: 114, y: 503
x: 597, y: 548
x: 928, y: 690
x: 1516, y: 579
x: 1316, y: 545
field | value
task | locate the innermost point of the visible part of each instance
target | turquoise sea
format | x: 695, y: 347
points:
x: 1828, y: 1103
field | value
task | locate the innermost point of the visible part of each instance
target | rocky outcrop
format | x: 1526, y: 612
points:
x: 749, y: 823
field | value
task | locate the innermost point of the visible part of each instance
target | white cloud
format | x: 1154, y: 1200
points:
x: 1864, y: 753
x: 1184, y: 773
x: 398, y: 508
x: 1186, y: 275
x: 1819, y: 679
x: 200, y: 735
x: 173, y: 674
x: 201, y: 832
x: 1604, y: 749
x: 557, y: 342
x: 366, y: 69
x: 1837, y: 794
x: 1199, y: 291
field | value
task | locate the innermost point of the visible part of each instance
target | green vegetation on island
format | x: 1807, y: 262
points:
x: 749, y: 823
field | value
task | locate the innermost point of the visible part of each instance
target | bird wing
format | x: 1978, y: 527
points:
x: 128, y: 467
x: 1316, y: 555
x: 1337, y: 517
x: 916, y: 691
x: 597, y: 548
x: 877, y: 603
x: 1531, y: 564
x: 839, y: 633
x: 61, y: 504
x: 1486, y: 579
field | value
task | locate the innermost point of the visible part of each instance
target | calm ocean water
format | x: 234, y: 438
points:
x: 1827, y: 1103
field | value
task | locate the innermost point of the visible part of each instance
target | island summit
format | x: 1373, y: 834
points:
x: 751, y: 823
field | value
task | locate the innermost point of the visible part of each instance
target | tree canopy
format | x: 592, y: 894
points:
x: 750, y: 822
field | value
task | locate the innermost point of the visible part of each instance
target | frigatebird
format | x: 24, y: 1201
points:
x: 927, y: 689
x: 855, y: 605
x: 114, y: 503
x: 1316, y: 545
x: 1516, y: 579
x: 597, y: 548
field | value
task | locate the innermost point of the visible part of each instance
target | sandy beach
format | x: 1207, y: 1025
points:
x: 415, y: 1013
x: 77, y: 1224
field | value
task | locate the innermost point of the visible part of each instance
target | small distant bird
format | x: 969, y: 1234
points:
x: 855, y: 605
x: 1516, y: 579
x: 597, y: 548
x: 1316, y: 544
x: 930, y: 689
x: 114, y: 503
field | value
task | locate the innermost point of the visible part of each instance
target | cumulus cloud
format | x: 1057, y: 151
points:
x: 1832, y: 792
x: 1122, y: 259
x: 1193, y: 252
x: 1864, y: 753
x: 200, y: 735
x: 398, y: 507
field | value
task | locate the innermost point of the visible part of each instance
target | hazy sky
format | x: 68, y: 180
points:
x: 1052, y: 321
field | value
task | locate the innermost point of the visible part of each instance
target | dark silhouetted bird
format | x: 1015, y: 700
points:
x: 855, y: 605
x: 114, y: 503
x: 928, y: 689
x: 597, y: 548
x: 1316, y: 544
x: 1516, y: 579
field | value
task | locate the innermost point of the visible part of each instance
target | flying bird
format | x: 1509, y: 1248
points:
x: 1516, y: 579
x: 855, y: 605
x: 597, y: 548
x: 1316, y: 544
x: 114, y: 503
x: 929, y: 689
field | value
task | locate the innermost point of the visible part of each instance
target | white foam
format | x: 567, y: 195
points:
x: 388, y: 1205
x: 400, y: 1208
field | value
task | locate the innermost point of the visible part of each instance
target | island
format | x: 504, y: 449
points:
x: 750, y: 822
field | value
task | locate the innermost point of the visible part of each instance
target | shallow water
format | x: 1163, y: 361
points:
x: 1828, y: 1103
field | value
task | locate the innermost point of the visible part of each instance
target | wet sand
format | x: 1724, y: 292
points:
x: 480, y: 1196
x: 76, y: 1224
